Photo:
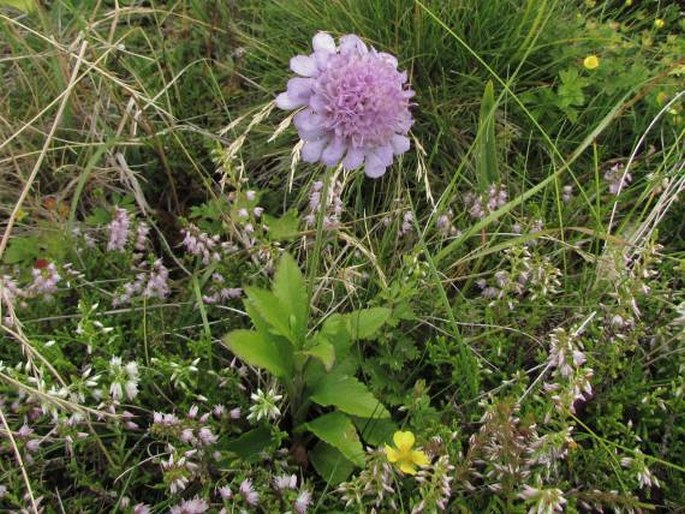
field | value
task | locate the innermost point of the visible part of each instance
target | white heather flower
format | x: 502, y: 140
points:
x: 265, y: 405
x: 250, y: 195
x: 546, y: 501
x: 356, y: 104
x: 118, y: 230
x: 124, y: 378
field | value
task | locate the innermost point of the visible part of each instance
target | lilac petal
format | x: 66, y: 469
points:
x: 374, y: 166
x: 300, y: 88
x: 303, y: 65
x: 353, y: 159
x: 390, y: 59
x: 384, y: 154
x: 400, y: 144
x: 309, y: 125
x: 311, y: 151
x: 333, y: 152
x: 285, y: 102
x: 323, y: 41
x: 351, y: 43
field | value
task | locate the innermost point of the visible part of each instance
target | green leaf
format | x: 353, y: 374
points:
x: 256, y: 349
x: 250, y: 444
x: 289, y: 288
x: 272, y: 311
x: 21, y: 249
x: 486, y: 165
x: 335, y: 330
x: 22, y: 5
x: 324, y: 352
x: 284, y: 228
x: 375, y: 431
x: 337, y: 430
x: 349, y: 395
x: 364, y: 324
x: 330, y: 463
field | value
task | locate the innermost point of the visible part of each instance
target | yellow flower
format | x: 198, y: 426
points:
x: 403, y: 456
x: 659, y: 23
x: 629, y: 3
x: 591, y: 62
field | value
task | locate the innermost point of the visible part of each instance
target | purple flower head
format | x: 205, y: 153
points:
x: 356, y: 104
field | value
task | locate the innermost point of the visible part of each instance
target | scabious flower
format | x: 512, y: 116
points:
x: 356, y: 104
x: 403, y: 456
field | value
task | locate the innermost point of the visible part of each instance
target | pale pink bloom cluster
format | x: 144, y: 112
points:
x: 153, y: 283
x: 195, y: 505
x: 480, y: 205
x: 355, y: 104
x: 218, y: 292
x: 570, y: 379
x: 201, y: 244
x: 119, y: 229
x: 45, y: 281
x: 333, y: 206
x: 617, y: 178
x: 545, y: 501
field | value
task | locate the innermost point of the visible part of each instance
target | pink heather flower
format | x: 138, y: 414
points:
x: 194, y: 506
x: 356, y: 104
x: 118, y: 230
x: 302, y: 502
x: 247, y: 491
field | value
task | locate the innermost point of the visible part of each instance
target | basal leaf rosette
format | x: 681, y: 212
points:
x: 355, y: 104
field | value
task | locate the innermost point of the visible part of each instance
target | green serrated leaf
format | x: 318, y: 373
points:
x: 272, y: 311
x: 349, y: 395
x: 21, y: 249
x: 335, y: 330
x: 337, y: 430
x: 330, y: 463
x: 364, y: 324
x: 256, y: 349
x: 324, y: 352
x: 289, y: 288
x: 284, y: 228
